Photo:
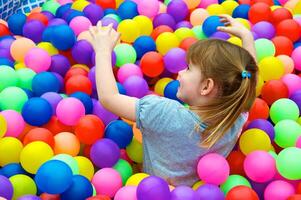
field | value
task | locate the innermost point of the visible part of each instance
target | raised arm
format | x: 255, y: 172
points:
x: 104, y: 39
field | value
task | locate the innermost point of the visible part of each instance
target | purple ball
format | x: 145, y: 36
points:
x: 6, y: 189
x: 33, y: 30
x: 255, y: 35
x: 184, y: 192
x: 59, y: 64
x: 82, y: 51
x: 56, y: 22
x: 178, y: 10
x: 93, y: 12
x: 5, y: 53
x: 264, y: 125
x: 164, y: 19
x: 48, y: 14
x: 53, y: 99
x: 175, y: 60
x: 264, y: 29
x: 296, y: 97
x: 105, y: 115
x: 6, y: 43
x: 209, y: 191
x: 136, y: 86
x: 104, y: 153
x: 61, y: 80
x: 153, y: 188
x: 182, y: 24
x: 220, y: 35
x: 108, y: 20
x: 29, y: 197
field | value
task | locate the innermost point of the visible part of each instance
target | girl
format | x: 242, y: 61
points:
x: 218, y: 85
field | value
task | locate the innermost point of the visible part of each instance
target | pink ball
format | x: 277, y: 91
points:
x: 296, y: 55
x: 80, y: 24
x: 282, y: 2
x: 38, y: 60
x: 148, y: 8
x: 15, y: 123
x: 63, y: 2
x: 260, y: 166
x: 69, y: 111
x: 278, y: 190
x: 107, y: 181
x: 292, y: 81
x: 213, y: 169
x: 126, y: 193
x: 206, y: 3
x: 298, y: 143
x: 128, y: 70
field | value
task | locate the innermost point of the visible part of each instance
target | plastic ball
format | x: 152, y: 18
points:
x: 175, y: 60
x: 93, y: 12
x: 152, y: 64
x: 153, y: 187
x: 295, y: 56
x: 38, y: 59
x: 278, y: 190
x: 107, y: 181
x: 268, y: 63
x: 54, y: 177
x: 81, y: 188
x: 39, y: 134
x: 184, y: 192
x: 135, y: 151
x: 264, y: 125
x: 14, y: 123
x: 125, y: 53
x: 287, y: 165
x: 136, y: 86
x: 143, y: 45
x: 42, y: 17
x: 164, y: 19
x: 296, y: 98
x: 241, y: 11
x: 105, y: 115
x: 210, y: 25
x: 283, y: 45
x: 289, y: 28
x: 125, y: 170
x: 264, y: 48
x: 260, y: 109
x: 264, y: 29
x: 10, y: 150
x: 286, y: 133
x: 135, y: 179
x: 29, y: 197
x: 66, y: 143
x: 10, y: 102
x: 85, y: 167
x: 45, y: 82
x: 6, y: 190
x: 63, y: 37
x: 80, y: 24
x: 22, y: 185
x: 8, y: 76
x: 127, y: 10
x: 232, y: 181
x: 52, y: 98
x: 178, y: 10
x: 288, y: 63
x: 50, y: 6
x: 69, y: 160
x: 206, y: 191
x: 235, y: 160
x: 128, y: 70
x: 120, y: 132
x: 3, y: 125
x: 82, y: 51
x: 284, y: 109
x: 242, y: 192
x: 171, y: 90
x: 183, y: 33
x: 16, y: 22
x: 128, y: 30
x: 260, y: 12
x: 20, y: 47
x: 33, y: 30
x: 80, y: 5
x: 273, y: 90
x: 126, y: 193
x: 166, y: 41
x: 145, y: 24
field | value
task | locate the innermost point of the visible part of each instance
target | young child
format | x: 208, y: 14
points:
x: 218, y: 85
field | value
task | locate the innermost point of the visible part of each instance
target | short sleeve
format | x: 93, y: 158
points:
x: 155, y: 113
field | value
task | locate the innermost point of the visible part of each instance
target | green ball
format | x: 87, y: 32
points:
x: 125, y: 170
x: 69, y: 160
x: 8, y: 77
x: 25, y: 77
x: 166, y: 2
x: 264, y: 48
x: 12, y: 98
x: 288, y: 163
x: 287, y: 133
x: 50, y: 6
x: 232, y: 181
x: 284, y: 109
x: 125, y: 53
x: 113, y: 16
x: 199, y: 33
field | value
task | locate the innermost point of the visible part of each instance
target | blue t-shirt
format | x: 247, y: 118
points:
x: 171, y: 138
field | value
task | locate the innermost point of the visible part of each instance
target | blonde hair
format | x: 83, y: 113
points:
x: 224, y: 63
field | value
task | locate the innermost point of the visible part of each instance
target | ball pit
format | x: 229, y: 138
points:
x: 57, y: 140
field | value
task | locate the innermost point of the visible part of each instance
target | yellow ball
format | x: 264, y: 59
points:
x: 85, y: 67
x: 197, y: 185
x: 244, y: 22
x: 235, y: 40
x: 183, y: 33
x: 10, y: 149
x: 22, y: 185
x: 299, y: 120
x: 34, y: 155
x: 166, y: 41
x: 271, y: 68
x: 85, y: 166
x: 20, y: 65
x: 254, y: 139
x: 216, y: 9
x: 297, y: 8
x: 275, y: 7
x: 229, y: 6
x: 161, y: 84
x: 47, y: 46
x: 135, y: 151
x: 135, y: 179
x: 79, y: 5
x: 128, y: 30
x: 3, y: 125
x: 118, y: 2
x: 145, y: 24
x: 259, y: 85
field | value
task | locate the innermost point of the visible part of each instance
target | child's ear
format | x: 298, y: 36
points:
x: 206, y: 86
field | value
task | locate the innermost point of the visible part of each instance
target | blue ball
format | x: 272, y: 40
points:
x: 120, y: 132
x: 5, y: 61
x: 144, y: 44
x: 297, y: 44
x: 171, y: 90
x: 62, y: 10
x: 16, y: 23
x: 63, y: 37
x: 28, y: 92
x: 54, y: 177
x: 121, y: 89
x: 85, y: 99
x: 241, y: 11
x: 45, y: 82
x: 47, y: 34
x: 110, y: 11
x: 12, y: 169
x: 128, y: 10
x: 81, y: 188
x: 210, y: 24
x: 37, y: 111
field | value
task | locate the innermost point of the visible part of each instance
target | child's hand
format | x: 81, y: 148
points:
x: 103, y: 38
x: 233, y: 26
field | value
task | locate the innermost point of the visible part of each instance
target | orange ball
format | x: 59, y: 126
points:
x: 160, y: 29
x: 259, y: 110
x: 242, y: 192
x: 273, y: 90
x: 78, y: 83
x: 20, y: 47
x: 298, y: 189
x: 39, y: 134
x: 46, y: 196
x: 38, y: 16
x: 99, y: 197
x: 75, y: 71
x: 236, y: 162
x: 152, y: 64
x: 4, y: 30
x: 106, y: 3
x: 283, y: 45
x: 67, y: 143
x: 260, y: 12
x: 187, y: 42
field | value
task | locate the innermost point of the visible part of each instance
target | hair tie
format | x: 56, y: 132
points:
x: 245, y: 74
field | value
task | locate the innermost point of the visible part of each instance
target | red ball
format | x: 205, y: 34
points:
x: 298, y: 189
x: 289, y: 28
x: 39, y: 134
x: 46, y: 196
x: 106, y: 3
x: 152, y: 64
x: 260, y: 12
x: 273, y: 90
x: 160, y: 29
x: 242, y: 192
x: 295, y: 197
x: 236, y: 162
x: 4, y: 30
x: 280, y: 14
x: 283, y: 45
x: 89, y: 129
x: 269, y: 2
x: 38, y: 16
x: 259, y: 110
x: 55, y: 126
x: 244, y: 2
x: 99, y: 197
x: 86, y: 151
x: 78, y: 83
x: 75, y: 71
x: 187, y: 42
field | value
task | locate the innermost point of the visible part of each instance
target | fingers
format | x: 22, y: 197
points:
x: 223, y: 28
x: 92, y: 31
